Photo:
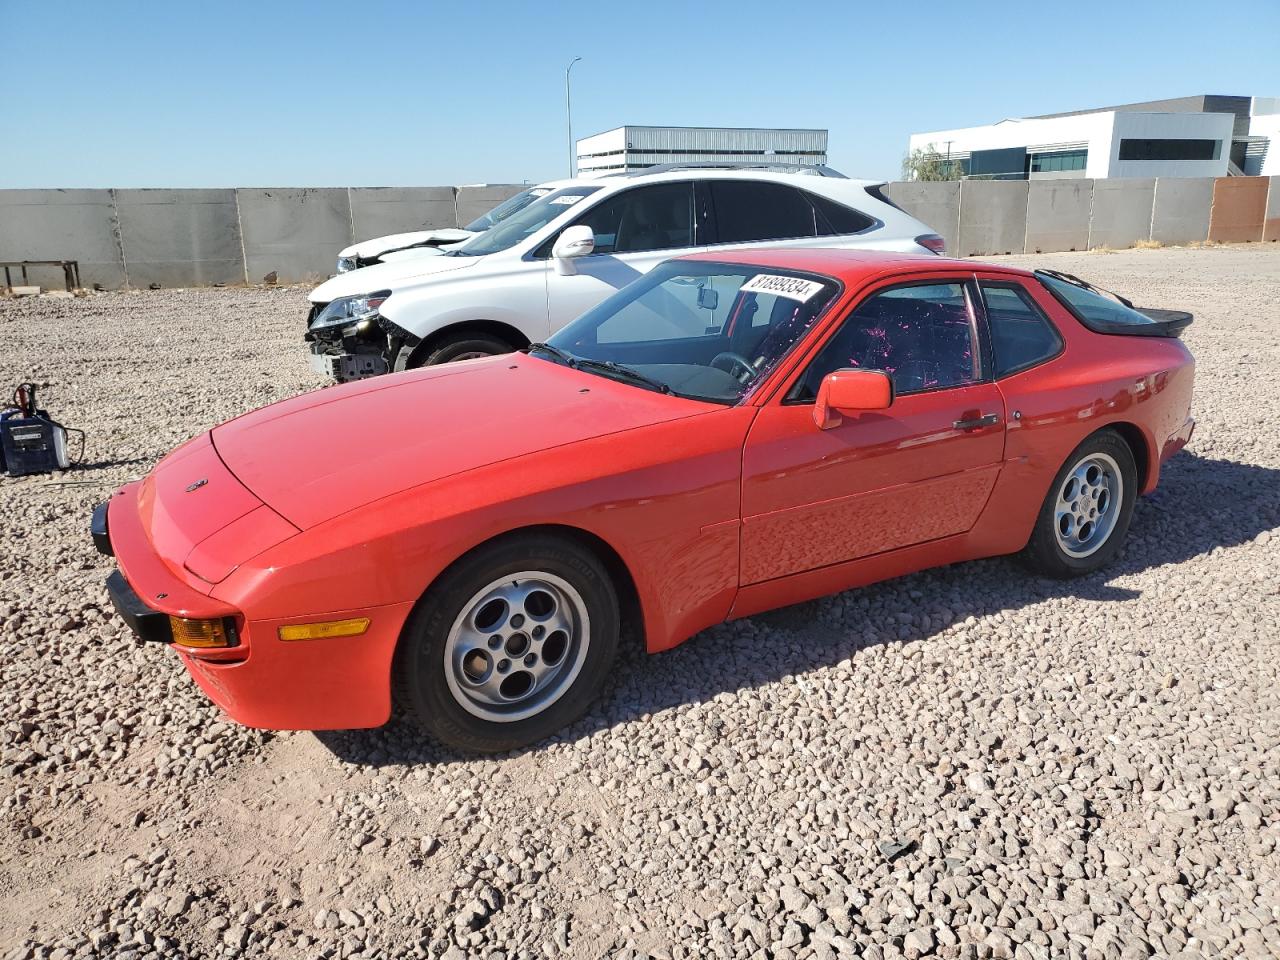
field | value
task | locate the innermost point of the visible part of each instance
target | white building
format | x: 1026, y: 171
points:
x: 1205, y: 136
x: 1262, y: 157
x: 634, y: 148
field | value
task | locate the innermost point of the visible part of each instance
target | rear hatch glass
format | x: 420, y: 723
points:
x: 1105, y: 312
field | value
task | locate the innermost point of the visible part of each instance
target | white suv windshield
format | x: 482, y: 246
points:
x: 707, y: 331
x: 524, y: 224
x: 506, y: 209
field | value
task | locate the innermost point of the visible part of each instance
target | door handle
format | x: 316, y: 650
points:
x: 988, y: 420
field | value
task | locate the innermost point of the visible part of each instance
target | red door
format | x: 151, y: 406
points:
x: 920, y: 470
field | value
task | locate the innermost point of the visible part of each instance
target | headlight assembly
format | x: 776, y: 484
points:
x: 346, y: 309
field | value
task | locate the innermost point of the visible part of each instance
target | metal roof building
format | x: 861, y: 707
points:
x: 630, y: 148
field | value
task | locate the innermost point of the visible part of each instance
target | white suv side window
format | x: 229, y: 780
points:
x: 657, y: 217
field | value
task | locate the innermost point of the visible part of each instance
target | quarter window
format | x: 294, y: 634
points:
x: 658, y: 217
x: 748, y: 210
x: 835, y: 219
x: 921, y: 335
x: 1021, y: 334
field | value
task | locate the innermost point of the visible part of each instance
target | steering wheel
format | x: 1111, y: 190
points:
x: 744, y: 368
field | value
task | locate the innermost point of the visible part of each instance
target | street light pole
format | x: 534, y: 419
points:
x: 568, y: 111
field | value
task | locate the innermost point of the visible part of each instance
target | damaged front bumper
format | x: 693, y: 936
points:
x: 365, y: 348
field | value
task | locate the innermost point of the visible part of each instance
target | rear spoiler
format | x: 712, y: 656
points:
x: 1163, y: 323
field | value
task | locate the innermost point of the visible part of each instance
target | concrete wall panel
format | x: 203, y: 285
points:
x: 1271, y: 225
x: 378, y: 211
x: 993, y: 217
x: 295, y: 233
x: 474, y: 201
x: 1239, y: 207
x: 1121, y: 212
x: 62, y: 225
x: 1058, y: 215
x: 1181, y: 211
x: 180, y: 237
x: 935, y: 204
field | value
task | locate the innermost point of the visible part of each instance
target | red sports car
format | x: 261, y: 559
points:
x: 725, y: 435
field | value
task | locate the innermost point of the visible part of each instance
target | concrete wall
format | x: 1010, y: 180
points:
x: 1239, y: 208
x: 1058, y: 215
x: 1181, y: 210
x: 176, y: 237
x: 184, y: 237
x: 181, y: 237
x: 993, y: 217
x: 378, y: 211
x: 63, y: 225
x: 1271, y: 224
x: 1121, y: 212
x: 295, y: 234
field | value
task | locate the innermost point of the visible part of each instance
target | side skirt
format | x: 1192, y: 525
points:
x: 798, y: 587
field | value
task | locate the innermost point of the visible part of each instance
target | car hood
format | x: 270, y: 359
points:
x: 398, y: 241
x: 386, y: 276
x: 325, y: 453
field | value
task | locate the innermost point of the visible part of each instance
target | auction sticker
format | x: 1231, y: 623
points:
x: 794, y: 288
x: 569, y: 200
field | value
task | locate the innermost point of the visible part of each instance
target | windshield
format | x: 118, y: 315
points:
x: 506, y: 208
x: 706, y: 331
x: 524, y: 223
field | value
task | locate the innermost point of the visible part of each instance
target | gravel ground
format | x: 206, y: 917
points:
x: 963, y: 763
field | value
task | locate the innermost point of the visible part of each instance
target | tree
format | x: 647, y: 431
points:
x: 925, y: 163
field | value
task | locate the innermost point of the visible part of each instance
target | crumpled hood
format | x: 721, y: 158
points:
x: 322, y: 454
x: 395, y: 241
x: 385, y: 276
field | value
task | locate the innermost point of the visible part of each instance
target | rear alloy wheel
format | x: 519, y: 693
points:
x: 513, y: 643
x: 461, y: 346
x: 1086, y: 513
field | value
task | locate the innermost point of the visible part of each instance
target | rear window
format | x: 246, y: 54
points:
x: 751, y: 210
x: 1097, y: 311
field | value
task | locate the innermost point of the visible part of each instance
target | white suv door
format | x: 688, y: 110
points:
x: 635, y: 230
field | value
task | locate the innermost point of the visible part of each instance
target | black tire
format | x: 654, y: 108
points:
x: 452, y: 347
x: 1044, y: 553
x: 421, y: 669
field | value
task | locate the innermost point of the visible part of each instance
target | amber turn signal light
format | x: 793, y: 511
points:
x: 322, y: 631
x: 200, y: 633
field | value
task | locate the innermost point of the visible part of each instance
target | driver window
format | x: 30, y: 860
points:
x: 921, y: 335
x: 658, y: 217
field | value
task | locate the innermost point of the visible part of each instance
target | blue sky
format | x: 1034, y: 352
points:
x: 228, y: 93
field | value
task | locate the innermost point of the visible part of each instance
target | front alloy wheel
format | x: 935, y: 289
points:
x: 517, y: 646
x: 513, y: 642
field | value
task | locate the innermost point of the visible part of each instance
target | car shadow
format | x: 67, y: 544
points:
x: 1201, y: 505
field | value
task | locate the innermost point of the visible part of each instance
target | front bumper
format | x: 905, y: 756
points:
x: 330, y: 684
x: 147, y: 624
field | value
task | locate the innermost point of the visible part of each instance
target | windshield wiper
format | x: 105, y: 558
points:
x: 568, y: 359
x: 621, y: 370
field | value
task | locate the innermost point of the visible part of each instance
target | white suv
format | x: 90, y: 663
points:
x: 523, y: 279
